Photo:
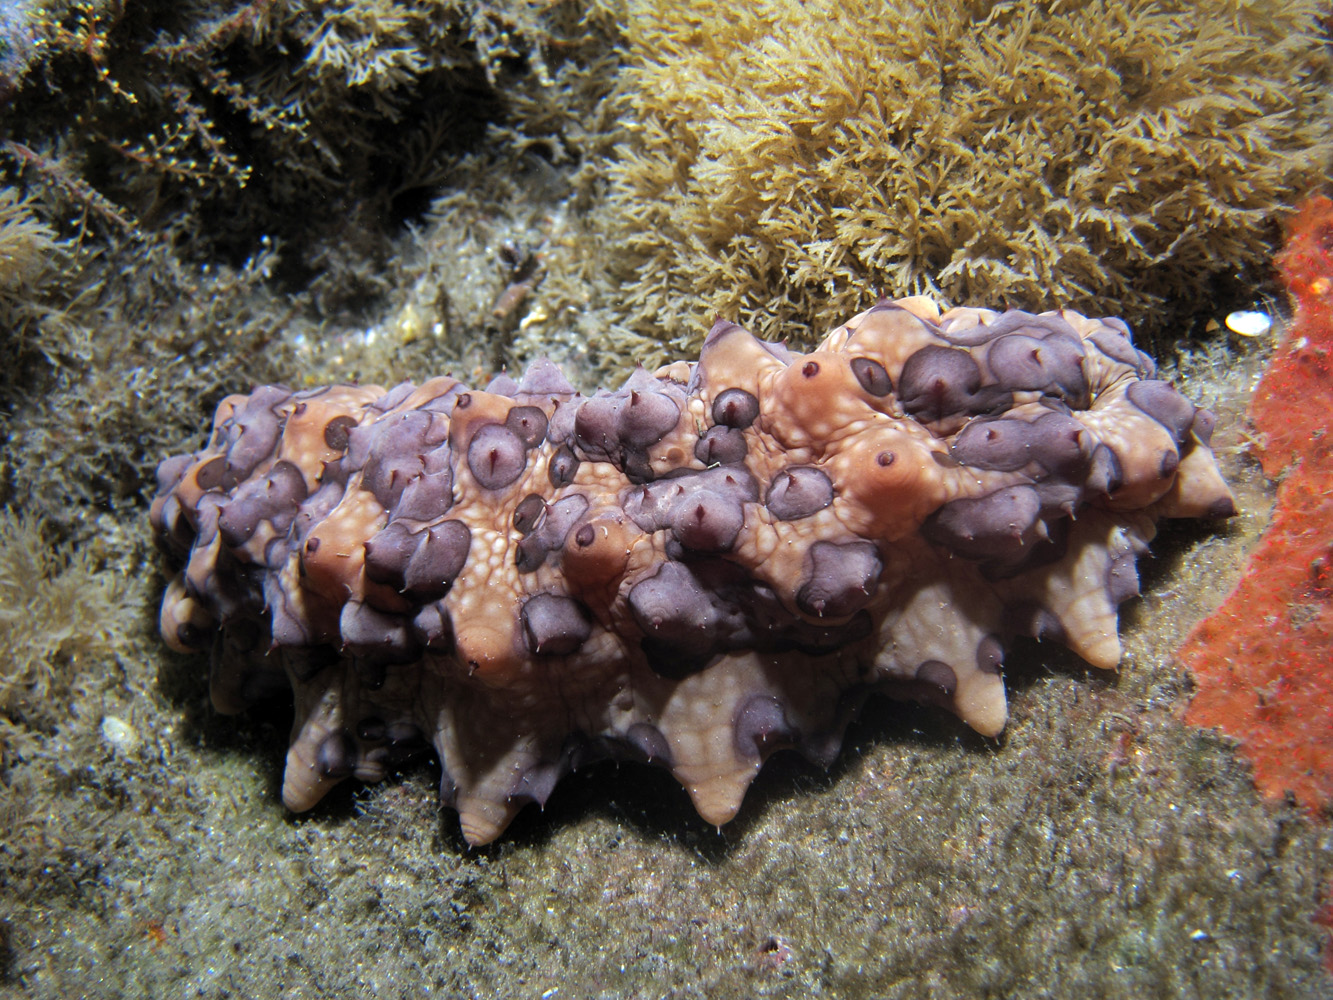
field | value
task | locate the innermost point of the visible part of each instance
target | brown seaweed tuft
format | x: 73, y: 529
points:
x: 786, y: 158
x: 58, y: 615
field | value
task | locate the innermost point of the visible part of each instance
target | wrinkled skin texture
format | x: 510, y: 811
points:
x: 717, y: 560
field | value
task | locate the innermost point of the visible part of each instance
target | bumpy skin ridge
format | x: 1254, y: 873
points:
x: 715, y: 561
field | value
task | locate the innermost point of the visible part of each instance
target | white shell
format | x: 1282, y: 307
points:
x: 119, y: 733
x: 1248, y: 323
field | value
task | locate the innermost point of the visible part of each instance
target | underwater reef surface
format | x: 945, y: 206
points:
x: 199, y: 199
x: 1099, y: 844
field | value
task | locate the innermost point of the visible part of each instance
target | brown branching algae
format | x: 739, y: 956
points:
x: 700, y: 568
x: 783, y: 158
x: 58, y: 615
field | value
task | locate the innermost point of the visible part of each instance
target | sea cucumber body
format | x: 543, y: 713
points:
x: 717, y: 560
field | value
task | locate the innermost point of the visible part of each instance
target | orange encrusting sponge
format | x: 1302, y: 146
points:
x: 1263, y: 662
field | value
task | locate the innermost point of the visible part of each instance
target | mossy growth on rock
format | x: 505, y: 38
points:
x: 193, y: 200
x: 59, y: 613
x: 788, y: 162
x: 324, y: 125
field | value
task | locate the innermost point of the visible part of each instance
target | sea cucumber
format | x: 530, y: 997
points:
x: 717, y: 560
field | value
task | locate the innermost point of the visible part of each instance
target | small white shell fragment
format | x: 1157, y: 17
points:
x: 119, y: 733
x: 1249, y: 323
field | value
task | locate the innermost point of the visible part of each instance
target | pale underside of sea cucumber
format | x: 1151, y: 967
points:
x: 715, y: 561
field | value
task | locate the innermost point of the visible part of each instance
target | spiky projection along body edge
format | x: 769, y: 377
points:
x: 717, y: 560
